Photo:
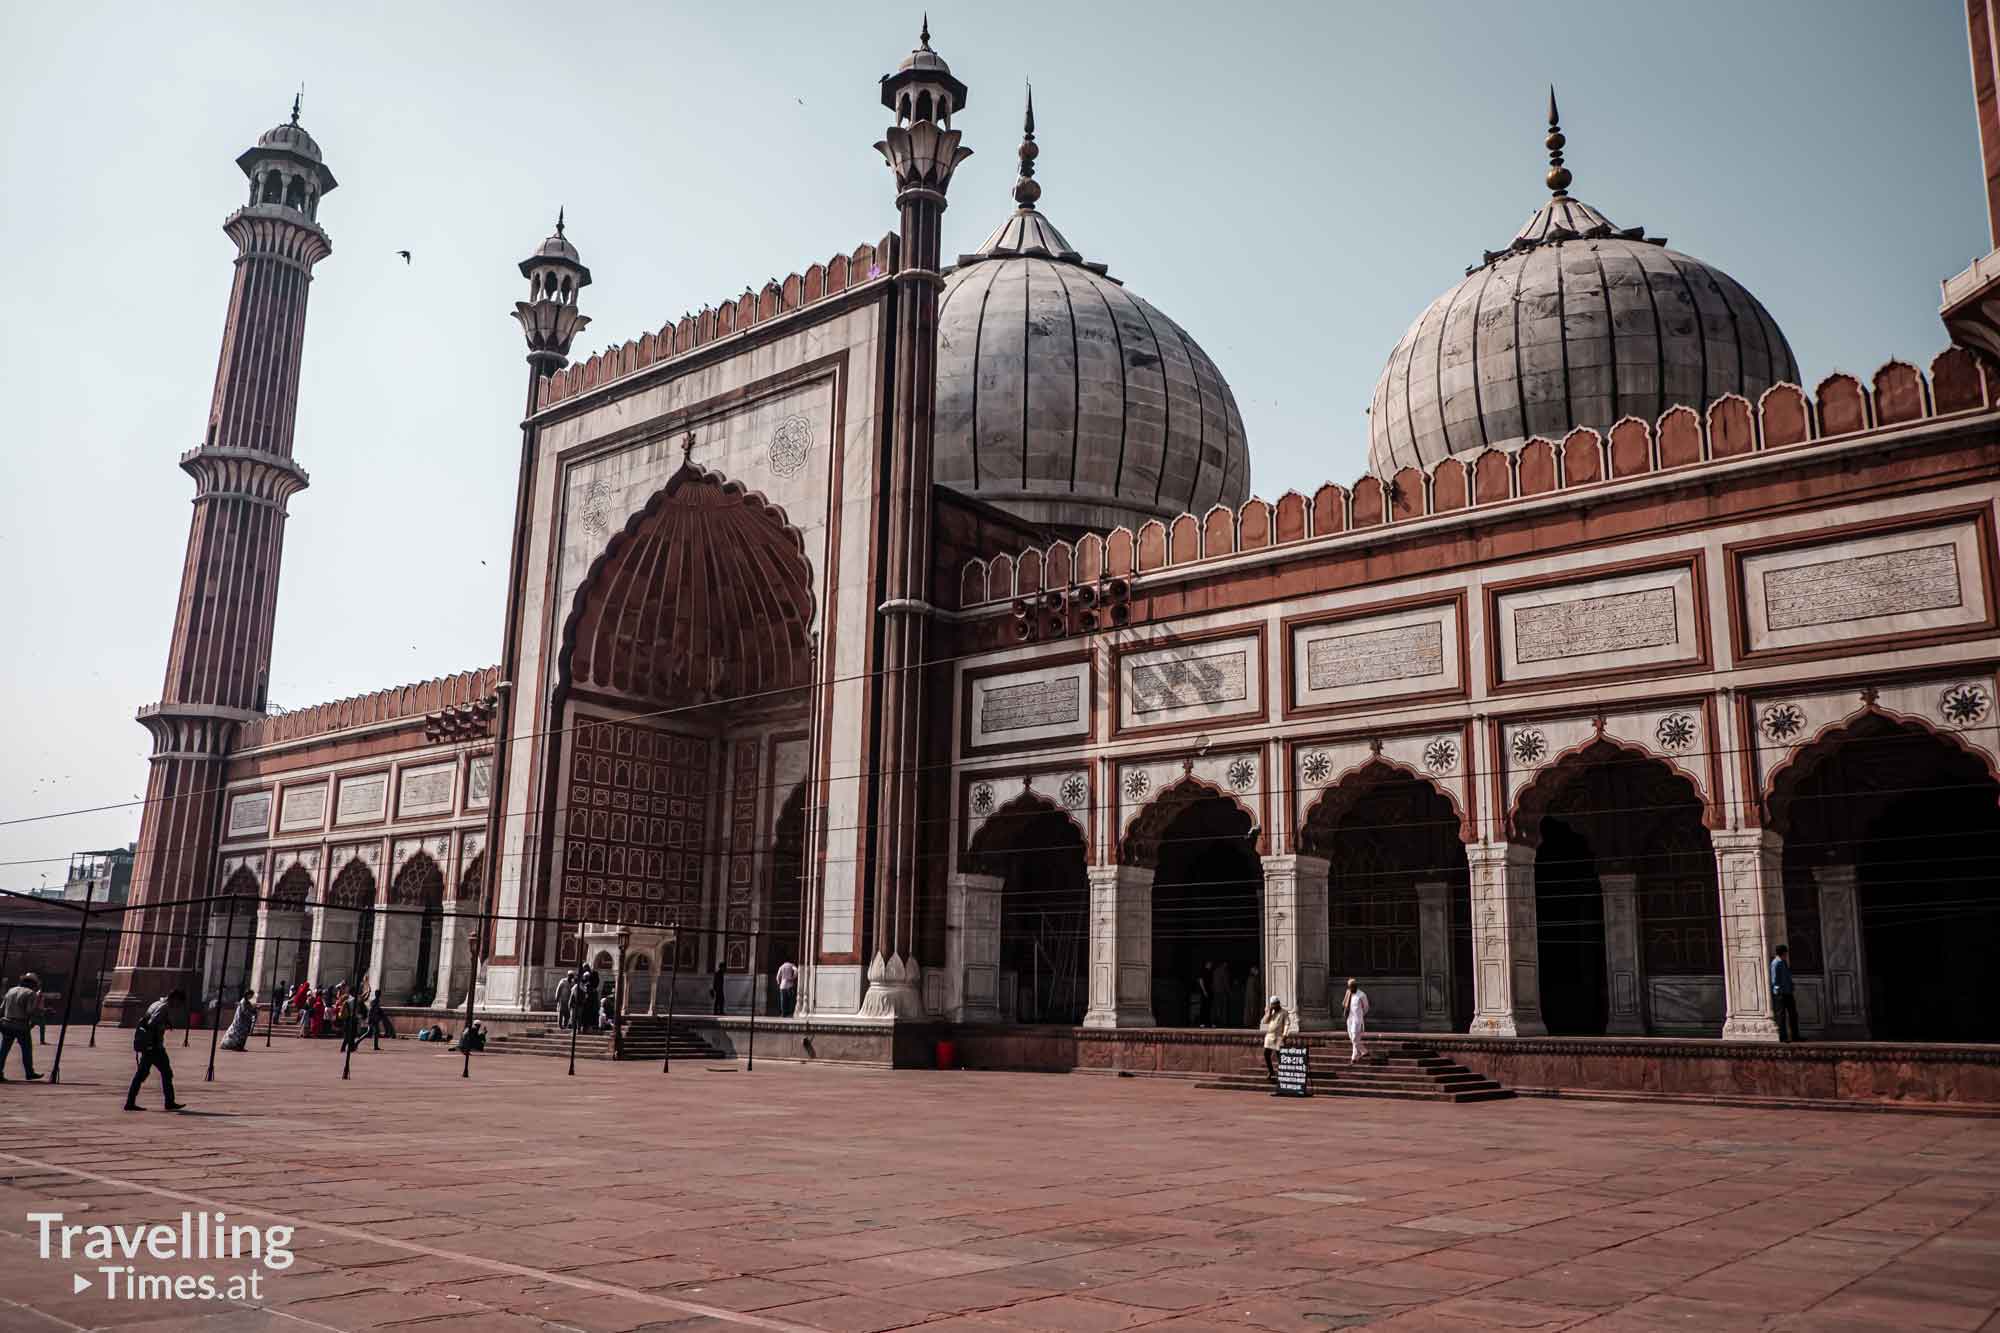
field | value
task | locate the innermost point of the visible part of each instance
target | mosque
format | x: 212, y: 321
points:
x: 915, y: 619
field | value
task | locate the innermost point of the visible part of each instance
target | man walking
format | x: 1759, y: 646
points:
x: 718, y: 985
x: 150, y: 1041
x: 18, y: 1008
x: 377, y: 1020
x: 788, y: 988
x: 562, y: 1000
x: 1784, y: 1008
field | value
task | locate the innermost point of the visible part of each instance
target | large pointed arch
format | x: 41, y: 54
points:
x: 1000, y: 835
x: 1557, y: 778
x: 1141, y: 844
x: 705, y: 595
x: 1872, y: 723
x: 1338, y: 798
x: 418, y: 884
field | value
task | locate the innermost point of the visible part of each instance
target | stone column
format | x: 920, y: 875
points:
x: 454, y: 959
x: 1434, y: 955
x: 1121, y: 947
x: 1624, y: 957
x: 972, y: 947
x: 1846, y: 971
x: 1749, y: 874
x: 1295, y: 937
x: 1506, y: 965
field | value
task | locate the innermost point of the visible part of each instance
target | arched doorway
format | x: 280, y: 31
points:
x: 1399, y: 899
x: 232, y: 931
x: 1892, y: 856
x: 685, y: 665
x: 286, y: 933
x: 783, y: 933
x: 1037, y: 855
x: 412, y: 933
x: 1208, y: 897
x: 1626, y: 906
x: 345, y: 927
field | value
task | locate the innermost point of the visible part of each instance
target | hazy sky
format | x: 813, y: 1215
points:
x: 1291, y: 183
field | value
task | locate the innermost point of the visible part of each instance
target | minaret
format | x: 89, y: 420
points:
x: 922, y: 150
x: 219, y: 664
x: 550, y: 321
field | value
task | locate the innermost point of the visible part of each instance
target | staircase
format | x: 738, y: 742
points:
x: 1406, y: 1070
x: 645, y: 1039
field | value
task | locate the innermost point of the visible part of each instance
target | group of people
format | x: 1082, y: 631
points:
x: 585, y: 1001
x: 327, y: 1011
x: 1216, y: 999
x: 1279, y: 1024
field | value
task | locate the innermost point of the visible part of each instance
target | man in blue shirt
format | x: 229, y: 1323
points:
x: 1783, y: 1007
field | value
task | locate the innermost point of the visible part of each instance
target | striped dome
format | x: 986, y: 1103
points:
x: 1065, y: 399
x: 1576, y: 323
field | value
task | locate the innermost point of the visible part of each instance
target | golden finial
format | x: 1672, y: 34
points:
x: 1026, y: 191
x: 1559, y: 177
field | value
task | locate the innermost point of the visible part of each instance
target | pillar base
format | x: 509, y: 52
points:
x: 1750, y: 1027
x: 894, y: 990
x: 1507, y: 1025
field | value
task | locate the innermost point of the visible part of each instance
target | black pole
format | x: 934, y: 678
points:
x: 756, y: 984
x: 673, y: 985
x: 69, y: 990
x: 221, y: 982
x: 471, y: 982
x: 573, y: 1025
x: 98, y: 1016
x: 348, y: 1030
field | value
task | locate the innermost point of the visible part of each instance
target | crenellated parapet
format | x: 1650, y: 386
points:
x: 714, y: 323
x: 470, y: 690
x: 1841, y: 406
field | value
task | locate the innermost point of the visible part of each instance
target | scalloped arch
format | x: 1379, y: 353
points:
x: 1338, y: 798
x: 1141, y: 844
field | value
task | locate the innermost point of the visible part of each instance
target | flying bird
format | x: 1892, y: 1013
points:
x: 406, y: 256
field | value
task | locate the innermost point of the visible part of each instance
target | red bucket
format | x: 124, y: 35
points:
x: 947, y: 1055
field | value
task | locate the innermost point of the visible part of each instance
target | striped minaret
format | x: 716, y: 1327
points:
x: 220, y: 661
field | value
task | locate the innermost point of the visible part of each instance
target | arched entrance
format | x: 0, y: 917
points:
x: 344, y: 927
x: 1892, y: 875
x: 412, y: 934
x: 1036, y: 855
x: 783, y: 934
x: 684, y: 672
x: 232, y: 929
x: 1628, y: 915
x: 1399, y: 904
x: 1207, y: 903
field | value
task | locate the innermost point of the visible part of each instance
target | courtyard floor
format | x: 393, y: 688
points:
x: 855, y: 1200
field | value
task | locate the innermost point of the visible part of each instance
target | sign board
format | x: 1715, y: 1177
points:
x: 1294, y: 1080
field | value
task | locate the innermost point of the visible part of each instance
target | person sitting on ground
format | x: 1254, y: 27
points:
x: 1277, y: 1026
x: 474, y: 1038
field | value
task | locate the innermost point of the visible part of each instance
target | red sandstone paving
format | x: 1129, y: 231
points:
x: 842, y: 1199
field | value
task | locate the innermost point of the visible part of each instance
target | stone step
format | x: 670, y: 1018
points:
x: 1416, y: 1094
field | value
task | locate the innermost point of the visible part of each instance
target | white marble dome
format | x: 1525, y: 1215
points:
x: 1067, y: 400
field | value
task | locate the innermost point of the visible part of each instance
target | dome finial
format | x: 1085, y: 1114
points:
x: 559, y: 219
x: 1026, y: 191
x: 1558, y: 177
x: 924, y: 36
x: 298, y: 99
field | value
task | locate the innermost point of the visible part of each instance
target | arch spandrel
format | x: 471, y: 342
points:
x: 1323, y: 810
x: 1145, y: 824
x: 1336, y: 773
x: 1788, y: 731
x: 1680, y: 735
x: 1871, y: 722
x: 991, y: 802
x: 1554, y: 780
